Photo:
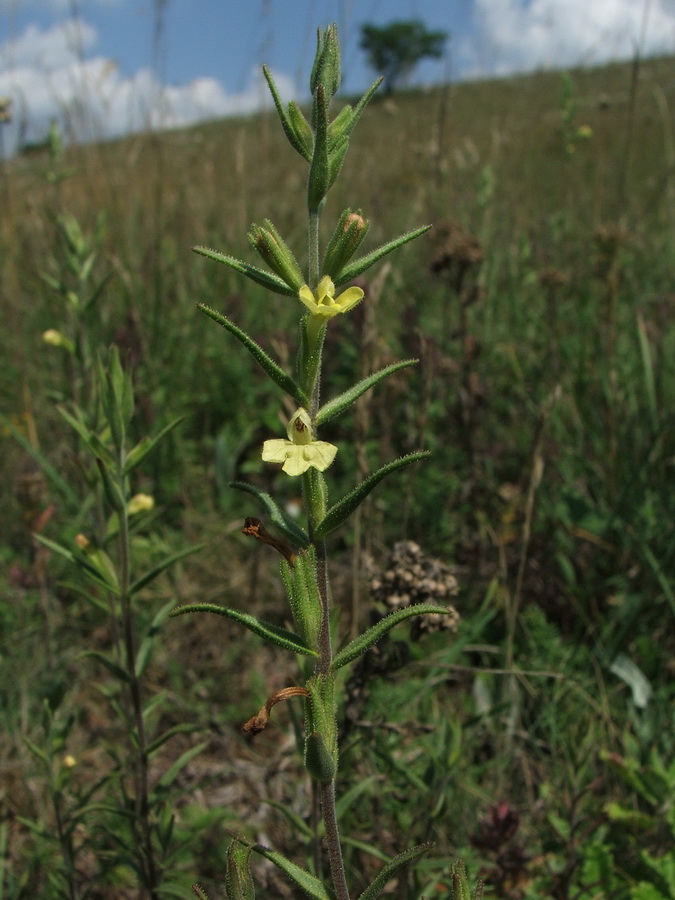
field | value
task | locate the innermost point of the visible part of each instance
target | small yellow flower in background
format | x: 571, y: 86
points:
x: 140, y: 503
x: 322, y: 301
x: 69, y: 761
x: 300, y: 451
x: 56, y: 339
x: 584, y: 132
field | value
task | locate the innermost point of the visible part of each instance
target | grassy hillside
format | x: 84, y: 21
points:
x: 542, y: 308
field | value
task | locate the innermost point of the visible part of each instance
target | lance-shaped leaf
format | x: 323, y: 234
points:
x: 152, y: 573
x: 341, y: 511
x: 92, y: 440
x: 291, y: 531
x: 260, y: 276
x: 265, y: 630
x: 175, y: 768
x: 275, y: 372
x: 304, y: 880
x: 102, y: 576
x: 365, y: 262
x: 110, y: 664
x: 348, y: 125
x: 388, y: 871
x: 339, y: 404
x: 296, y: 133
x: 138, y: 453
x: 366, y: 640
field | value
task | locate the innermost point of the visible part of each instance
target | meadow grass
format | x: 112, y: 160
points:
x: 545, y: 393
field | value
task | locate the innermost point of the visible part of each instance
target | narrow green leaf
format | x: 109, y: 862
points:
x: 275, y: 372
x: 296, y: 821
x: 267, y: 279
x: 110, y: 664
x: 339, y: 404
x: 296, y: 140
x: 361, y: 105
x: 265, y: 630
x: 365, y: 262
x: 111, y: 488
x: 173, y: 771
x: 386, y: 872
x: 341, y: 511
x: 50, y: 472
x: 92, y: 440
x: 36, y: 751
x: 161, y: 566
x: 366, y: 640
x: 304, y: 880
x: 181, y: 728
x: 148, y: 642
x: 144, y: 446
x: 291, y: 531
x: 81, y: 561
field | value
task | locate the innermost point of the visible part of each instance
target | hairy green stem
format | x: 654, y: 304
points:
x: 327, y: 791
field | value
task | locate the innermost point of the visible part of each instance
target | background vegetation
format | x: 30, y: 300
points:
x: 537, y: 743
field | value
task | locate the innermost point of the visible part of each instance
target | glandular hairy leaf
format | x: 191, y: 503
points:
x: 339, y: 404
x: 366, y: 640
x: 271, y: 633
x: 341, y: 511
x: 374, y: 890
x: 274, y: 371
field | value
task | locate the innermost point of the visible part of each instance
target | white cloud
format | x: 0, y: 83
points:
x: 521, y: 35
x: 48, y: 75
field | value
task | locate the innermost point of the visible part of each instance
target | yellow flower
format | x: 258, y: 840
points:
x: 322, y: 301
x: 300, y: 451
x: 140, y: 503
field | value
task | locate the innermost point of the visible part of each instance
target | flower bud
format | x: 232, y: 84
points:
x: 271, y: 246
x: 326, y: 69
x: 347, y: 238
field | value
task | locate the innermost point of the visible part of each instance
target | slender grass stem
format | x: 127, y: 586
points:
x: 141, y: 799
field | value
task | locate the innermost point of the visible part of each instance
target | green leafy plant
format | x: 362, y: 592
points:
x: 323, y: 144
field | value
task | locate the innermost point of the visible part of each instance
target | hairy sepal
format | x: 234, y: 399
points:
x: 238, y: 877
x: 303, y: 595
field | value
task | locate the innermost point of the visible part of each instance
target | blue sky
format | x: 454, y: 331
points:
x: 107, y: 67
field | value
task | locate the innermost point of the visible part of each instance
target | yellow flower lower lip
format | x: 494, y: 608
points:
x: 297, y: 458
x: 323, y: 302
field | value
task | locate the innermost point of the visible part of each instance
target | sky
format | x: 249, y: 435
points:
x: 104, y: 68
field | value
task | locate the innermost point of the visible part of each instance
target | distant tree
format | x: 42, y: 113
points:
x: 395, y: 49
